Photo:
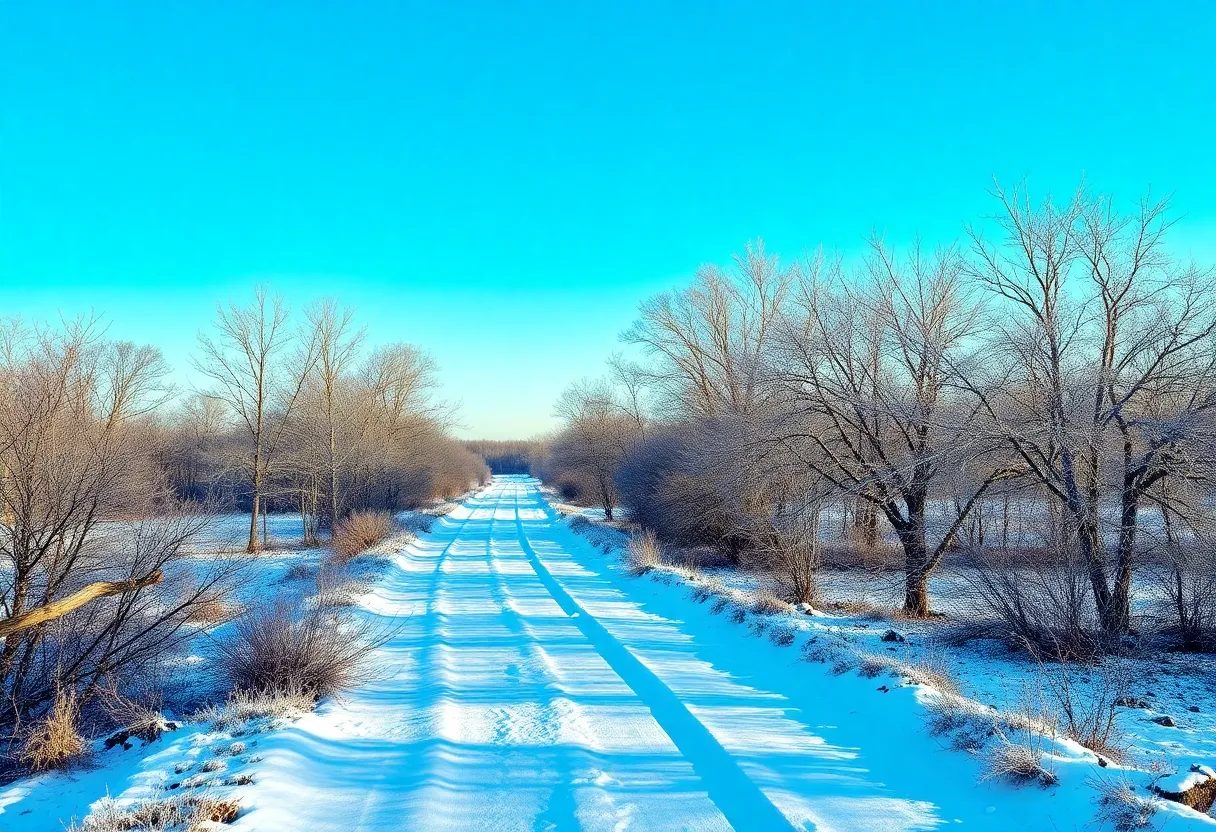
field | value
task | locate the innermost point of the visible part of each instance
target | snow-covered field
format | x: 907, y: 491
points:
x: 532, y: 683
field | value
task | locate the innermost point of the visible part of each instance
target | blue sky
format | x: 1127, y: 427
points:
x: 502, y: 183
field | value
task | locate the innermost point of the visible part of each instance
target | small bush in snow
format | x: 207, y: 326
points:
x: 359, y: 532
x: 644, y: 553
x: 1017, y: 762
x: 719, y: 605
x: 55, y: 740
x: 312, y: 653
x: 967, y: 723
x: 1122, y: 808
x: 1085, y: 707
x: 213, y: 611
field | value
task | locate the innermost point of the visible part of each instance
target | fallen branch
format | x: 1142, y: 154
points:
x: 60, y: 608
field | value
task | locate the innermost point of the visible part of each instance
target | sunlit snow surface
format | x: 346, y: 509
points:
x: 530, y: 685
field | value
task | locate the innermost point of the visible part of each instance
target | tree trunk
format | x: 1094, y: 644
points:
x: 333, y: 477
x: 253, y: 525
x: 1117, y: 617
x: 916, y: 557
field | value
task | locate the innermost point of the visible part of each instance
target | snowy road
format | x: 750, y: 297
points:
x: 529, y: 688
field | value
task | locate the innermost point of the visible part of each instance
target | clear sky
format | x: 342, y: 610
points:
x: 503, y: 182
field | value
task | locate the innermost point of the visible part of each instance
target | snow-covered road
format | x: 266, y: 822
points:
x: 533, y: 685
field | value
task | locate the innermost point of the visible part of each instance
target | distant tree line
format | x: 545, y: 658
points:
x: 507, y: 456
x: 1059, y: 361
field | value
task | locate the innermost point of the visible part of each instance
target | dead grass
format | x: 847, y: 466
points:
x: 158, y: 814
x: 932, y: 671
x: 1018, y: 762
x: 55, y: 740
x: 767, y: 603
x: 244, y: 708
x: 644, y: 553
x: 1121, y: 807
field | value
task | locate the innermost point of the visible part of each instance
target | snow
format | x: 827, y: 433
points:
x: 531, y: 683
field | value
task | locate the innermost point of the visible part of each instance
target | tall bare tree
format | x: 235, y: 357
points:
x: 867, y: 370
x: 1112, y: 365
x: 707, y: 342
x: 247, y: 359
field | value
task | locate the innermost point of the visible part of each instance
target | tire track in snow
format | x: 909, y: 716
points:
x: 741, y: 801
x: 560, y: 810
x: 427, y: 660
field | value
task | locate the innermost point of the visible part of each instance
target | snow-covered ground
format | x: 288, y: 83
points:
x: 532, y: 683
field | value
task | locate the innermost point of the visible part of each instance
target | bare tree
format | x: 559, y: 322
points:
x: 1111, y: 370
x: 86, y: 590
x: 247, y: 361
x: 869, y: 380
x: 599, y: 430
x: 707, y: 343
x: 337, y: 345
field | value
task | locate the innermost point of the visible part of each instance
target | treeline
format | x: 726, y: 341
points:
x: 106, y: 474
x: 507, y: 456
x: 301, y: 416
x: 1059, y: 365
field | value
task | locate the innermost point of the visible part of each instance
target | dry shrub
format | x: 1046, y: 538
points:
x: 313, y: 652
x: 1188, y: 585
x: 932, y: 671
x: 55, y: 740
x: 790, y: 551
x: 969, y: 724
x: 1122, y: 808
x: 213, y: 611
x: 138, y: 720
x: 1020, y: 763
x: 1043, y: 608
x: 1086, y: 710
x: 359, y: 532
x: 158, y: 814
x: 644, y: 553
